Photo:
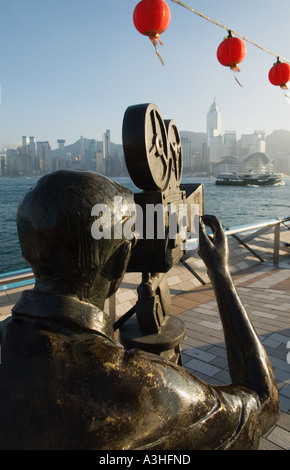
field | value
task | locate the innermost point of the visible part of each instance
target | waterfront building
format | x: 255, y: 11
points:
x: 255, y: 162
x: 42, y: 151
x: 186, y: 153
x: 107, y: 151
x: 3, y: 162
x: 230, y: 143
x: 252, y: 143
x: 32, y: 148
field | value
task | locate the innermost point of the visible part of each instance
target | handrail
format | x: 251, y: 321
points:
x: 193, y: 242
x: 26, y: 276
x: 16, y: 278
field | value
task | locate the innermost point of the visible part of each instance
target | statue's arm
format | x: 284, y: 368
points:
x: 249, y: 364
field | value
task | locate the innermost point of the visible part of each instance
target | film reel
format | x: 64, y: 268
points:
x: 152, y: 148
x: 175, y: 150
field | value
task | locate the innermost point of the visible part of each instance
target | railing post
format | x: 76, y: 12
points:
x: 276, y: 244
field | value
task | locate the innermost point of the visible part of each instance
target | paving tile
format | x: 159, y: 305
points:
x: 263, y: 314
x: 173, y: 280
x: 285, y: 391
x: 219, y: 362
x: 182, y: 302
x: 214, y: 325
x: 123, y: 308
x: 284, y: 404
x: 282, y: 376
x: 186, y: 286
x: 200, y: 354
x: 127, y: 295
x: 267, y: 445
x: 281, y: 338
x: 185, y: 276
x: 277, y: 353
x: 219, y: 350
x: 223, y: 377
x: 280, y: 437
x: 206, y: 311
x: 242, y: 265
x: 175, y: 310
x: 280, y: 364
x: 200, y: 366
x: 271, y: 343
x: 284, y: 421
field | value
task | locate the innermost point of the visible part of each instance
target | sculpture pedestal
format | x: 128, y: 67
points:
x: 166, y: 343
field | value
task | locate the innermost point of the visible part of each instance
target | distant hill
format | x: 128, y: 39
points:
x: 76, y: 148
x: 278, y: 142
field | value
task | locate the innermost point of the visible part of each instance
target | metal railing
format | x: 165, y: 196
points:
x: 258, y: 230
x: 253, y: 230
x: 16, y: 279
x: 25, y: 276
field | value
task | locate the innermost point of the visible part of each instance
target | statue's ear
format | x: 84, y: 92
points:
x: 116, y: 265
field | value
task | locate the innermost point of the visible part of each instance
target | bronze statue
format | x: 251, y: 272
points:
x: 64, y: 381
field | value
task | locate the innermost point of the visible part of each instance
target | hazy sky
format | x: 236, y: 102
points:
x: 72, y: 67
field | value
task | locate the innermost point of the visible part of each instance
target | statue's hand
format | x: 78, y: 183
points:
x: 213, y: 249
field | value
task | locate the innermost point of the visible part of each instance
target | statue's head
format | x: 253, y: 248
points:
x: 55, y: 223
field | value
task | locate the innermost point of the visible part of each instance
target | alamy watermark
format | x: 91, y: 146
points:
x: 175, y: 221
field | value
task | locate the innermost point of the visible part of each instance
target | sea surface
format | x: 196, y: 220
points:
x: 234, y: 206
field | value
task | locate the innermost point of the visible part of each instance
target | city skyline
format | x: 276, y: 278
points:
x: 71, y: 68
x: 202, y: 152
x: 220, y: 132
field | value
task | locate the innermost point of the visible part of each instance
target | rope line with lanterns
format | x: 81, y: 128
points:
x: 229, y: 29
x: 152, y: 17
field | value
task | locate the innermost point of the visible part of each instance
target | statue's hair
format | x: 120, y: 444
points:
x: 54, y: 225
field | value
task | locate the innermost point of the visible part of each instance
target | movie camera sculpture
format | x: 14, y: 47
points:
x: 153, y: 154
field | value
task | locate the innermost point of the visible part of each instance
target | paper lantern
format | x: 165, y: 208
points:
x: 279, y: 74
x: 231, y: 52
x: 152, y: 18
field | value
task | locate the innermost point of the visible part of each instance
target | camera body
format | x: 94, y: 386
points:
x: 167, y: 212
x: 167, y: 219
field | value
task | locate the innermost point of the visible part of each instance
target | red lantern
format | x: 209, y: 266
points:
x: 152, y: 18
x: 231, y: 52
x: 279, y: 74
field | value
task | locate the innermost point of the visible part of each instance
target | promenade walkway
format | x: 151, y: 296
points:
x: 265, y: 291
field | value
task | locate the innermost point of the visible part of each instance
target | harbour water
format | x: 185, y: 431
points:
x: 233, y: 205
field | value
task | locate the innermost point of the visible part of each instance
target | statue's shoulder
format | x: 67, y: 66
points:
x: 3, y: 329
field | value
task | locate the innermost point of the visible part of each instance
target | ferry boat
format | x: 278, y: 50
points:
x: 249, y: 179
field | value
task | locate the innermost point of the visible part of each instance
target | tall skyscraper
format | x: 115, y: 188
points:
x: 214, y: 121
x: 107, y: 143
x: 61, y: 143
x: 42, y: 150
x: 25, y: 141
x: 32, y: 147
x: 214, y: 132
